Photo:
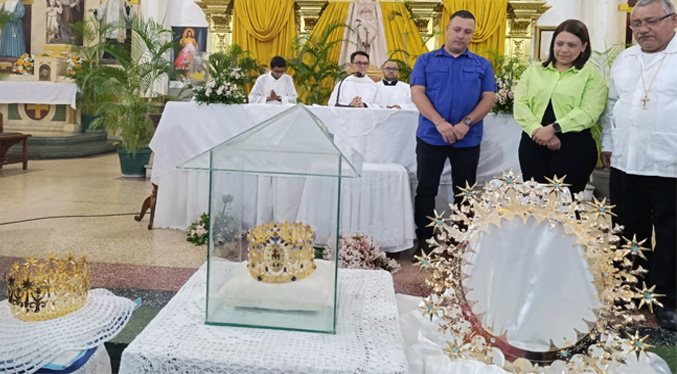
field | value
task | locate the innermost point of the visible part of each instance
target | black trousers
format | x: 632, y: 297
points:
x: 644, y: 203
x: 576, y: 159
x: 430, y: 164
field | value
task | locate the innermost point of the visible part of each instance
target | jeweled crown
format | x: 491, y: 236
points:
x: 281, y: 252
x: 43, y: 289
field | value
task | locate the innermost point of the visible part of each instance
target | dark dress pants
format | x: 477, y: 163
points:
x: 576, y: 159
x: 645, y: 203
x: 430, y: 164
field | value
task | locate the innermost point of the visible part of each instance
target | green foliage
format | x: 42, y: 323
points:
x: 603, y: 62
x: 314, y: 73
x: 130, y: 83
x: 4, y: 18
x: 508, y: 71
x: 88, y: 33
x: 235, y: 57
x: 199, y: 230
x: 401, y: 56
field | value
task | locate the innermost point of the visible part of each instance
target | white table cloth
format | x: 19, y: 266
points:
x: 382, y: 136
x: 368, y: 338
x: 38, y: 93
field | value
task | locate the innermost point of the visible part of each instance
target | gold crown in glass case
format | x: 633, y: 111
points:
x: 43, y: 289
x: 281, y: 252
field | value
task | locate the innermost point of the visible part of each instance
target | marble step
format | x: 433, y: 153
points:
x: 59, y: 145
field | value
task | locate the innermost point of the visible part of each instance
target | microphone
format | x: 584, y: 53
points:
x: 338, y: 91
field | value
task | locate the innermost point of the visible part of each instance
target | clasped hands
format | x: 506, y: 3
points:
x: 546, y: 137
x: 357, y: 102
x: 273, y: 96
x: 452, y: 133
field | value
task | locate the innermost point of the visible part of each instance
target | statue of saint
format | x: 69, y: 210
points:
x: 13, y: 43
x: 112, y: 12
x: 366, y: 32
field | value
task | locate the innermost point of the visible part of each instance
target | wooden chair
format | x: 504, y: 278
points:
x: 7, y: 140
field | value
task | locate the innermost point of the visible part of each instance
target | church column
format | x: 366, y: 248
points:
x: 219, y: 14
x: 523, y: 16
x: 603, y: 19
x: 158, y: 10
x: 426, y: 15
x: 307, y: 14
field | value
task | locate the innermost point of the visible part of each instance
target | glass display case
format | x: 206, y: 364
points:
x: 275, y: 198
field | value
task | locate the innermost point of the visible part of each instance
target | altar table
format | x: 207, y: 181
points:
x: 38, y: 93
x: 368, y: 338
x: 381, y: 136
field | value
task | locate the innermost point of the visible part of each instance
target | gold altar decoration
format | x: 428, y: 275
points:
x: 43, y: 289
x: 281, y: 252
x: 219, y: 15
x: 610, y: 260
x: 523, y: 16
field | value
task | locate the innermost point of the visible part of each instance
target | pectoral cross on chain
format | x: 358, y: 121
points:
x: 644, y: 100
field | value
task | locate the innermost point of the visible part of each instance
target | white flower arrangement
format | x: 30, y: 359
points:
x: 25, y: 64
x: 359, y: 251
x: 222, y: 90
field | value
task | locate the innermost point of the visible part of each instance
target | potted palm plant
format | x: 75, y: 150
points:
x: 83, y: 67
x: 314, y: 72
x: 132, y: 86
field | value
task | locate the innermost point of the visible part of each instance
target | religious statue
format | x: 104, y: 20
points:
x: 12, y: 43
x: 188, y: 44
x: 365, y: 25
x: 53, y: 12
x: 69, y: 14
x: 365, y: 33
x: 111, y: 12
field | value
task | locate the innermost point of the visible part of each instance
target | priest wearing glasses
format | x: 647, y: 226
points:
x: 639, y: 145
x: 392, y: 93
x: 357, y: 89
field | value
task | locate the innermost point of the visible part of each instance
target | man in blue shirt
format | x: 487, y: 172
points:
x: 454, y: 89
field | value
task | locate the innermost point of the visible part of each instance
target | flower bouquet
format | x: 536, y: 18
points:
x: 359, y: 251
x: 199, y: 233
x: 221, y: 89
x: 74, y: 67
x: 25, y: 64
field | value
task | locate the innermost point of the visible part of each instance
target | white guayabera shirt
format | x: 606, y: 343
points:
x: 643, y: 141
x: 399, y: 94
x: 283, y: 87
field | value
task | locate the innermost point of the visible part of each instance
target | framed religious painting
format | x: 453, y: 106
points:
x: 542, y: 38
x: 188, y: 39
x: 60, y: 15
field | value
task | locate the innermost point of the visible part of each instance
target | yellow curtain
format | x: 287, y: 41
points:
x: 264, y: 27
x: 395, y: 17
x: 491, y: 16
x: 335, y: 13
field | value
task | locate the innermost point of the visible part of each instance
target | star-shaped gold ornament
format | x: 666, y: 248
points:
x: 431, y: 307
x: 467, y: 193
x: 598, y: 209
x: 557, y: 184
x: 647, y: 297
x: 510, y: 179
x: 438, y: 223
x: 634, y: 248
x: 454, y: 351
x: 637, y: 344
x: 424, y: 261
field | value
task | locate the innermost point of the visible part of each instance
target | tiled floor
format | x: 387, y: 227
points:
x: 83, y: 206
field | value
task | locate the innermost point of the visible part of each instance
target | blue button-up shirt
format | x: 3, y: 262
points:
x: 454, y: 86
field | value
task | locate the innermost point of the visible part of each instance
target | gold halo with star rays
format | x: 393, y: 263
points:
x: 610, y: 259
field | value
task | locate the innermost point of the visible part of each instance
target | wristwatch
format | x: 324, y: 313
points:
x: 557, y: 127
x: 468, y: 121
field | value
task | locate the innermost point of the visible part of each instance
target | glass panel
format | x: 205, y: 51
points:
x: 274, y: 202
x: 294, y: 142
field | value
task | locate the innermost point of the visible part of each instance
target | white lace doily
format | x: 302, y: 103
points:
x: 368, y: 340
x: 99, y: 363
x: 27, y: 346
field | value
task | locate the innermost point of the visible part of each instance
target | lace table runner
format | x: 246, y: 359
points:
x: 368, y: 339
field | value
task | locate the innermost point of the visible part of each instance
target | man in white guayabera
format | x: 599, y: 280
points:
x: 639, y: 144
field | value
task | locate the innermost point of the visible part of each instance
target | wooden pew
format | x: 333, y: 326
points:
x: 7, y: 140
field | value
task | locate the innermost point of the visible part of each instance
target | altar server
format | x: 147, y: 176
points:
x: 392, y: 93
x: 357, y: 89
x: 639, y: 142
x: 276, y: 87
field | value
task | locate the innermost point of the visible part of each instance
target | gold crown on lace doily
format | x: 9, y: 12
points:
x: 43, y: 289
x: 281, y: 252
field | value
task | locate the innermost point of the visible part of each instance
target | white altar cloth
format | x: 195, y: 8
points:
x: 382, y: 136
x: 368, y: 338
x: 38, y: 93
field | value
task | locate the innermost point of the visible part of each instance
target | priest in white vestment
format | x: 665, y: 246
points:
x: 112, y: 12
x: 392, y: 93
x: 639, y: 145
x: 276, y: 87
x: 356, y: 90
